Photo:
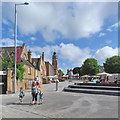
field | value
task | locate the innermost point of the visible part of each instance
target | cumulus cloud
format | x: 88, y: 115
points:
x: 105, y: 52
x: 101, y: 34
x: 73, y: 53
x: 5, y: 22
x: 68, y: 52
x: 34, y: 55
x: 113, y: 27
x: 108, y: 41
x: 32, y: 38
x: 48, y: 50
x: 7, y: 42
x: 60, y: 20
x: 109, y: 29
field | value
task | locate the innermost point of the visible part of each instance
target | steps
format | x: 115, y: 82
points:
x: 93, y: 88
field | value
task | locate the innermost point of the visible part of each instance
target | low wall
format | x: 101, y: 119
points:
x: 11, y: 82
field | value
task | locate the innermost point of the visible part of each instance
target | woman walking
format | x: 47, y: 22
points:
x: 35, y: 92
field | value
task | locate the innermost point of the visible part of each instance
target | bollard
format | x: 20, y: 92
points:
x: 56, y: 85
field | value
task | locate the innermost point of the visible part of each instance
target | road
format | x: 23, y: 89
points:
x: 59, y: 104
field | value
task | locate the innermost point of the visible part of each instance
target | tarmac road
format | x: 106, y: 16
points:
x: 59, y: 104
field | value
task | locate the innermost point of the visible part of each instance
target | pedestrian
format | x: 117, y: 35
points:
x: 21, y: 95
x: 41, y: 97
x: 35, y: 92
x: 38, y: 85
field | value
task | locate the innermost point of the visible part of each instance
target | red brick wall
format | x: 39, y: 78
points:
x: 47, y: 68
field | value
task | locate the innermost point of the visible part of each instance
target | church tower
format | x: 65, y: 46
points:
x: 55, y: 63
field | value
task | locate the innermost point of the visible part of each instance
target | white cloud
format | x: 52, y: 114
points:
x: 113, y: 27
x: 108, y: 41
x: 109, y: 29
x: 105, y: 52
x: 65, y: 20
x: 101, y: 34
x: 64, y: 64
x: 33, y: 38
x: 73, y: 53
x: 48, y: 50
x: 68, y: 52
x: 7, y: 42
x: 5, y: 22
x: 34, y: 55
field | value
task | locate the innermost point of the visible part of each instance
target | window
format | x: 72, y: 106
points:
x: 36, y: 73
x: 24, y: 56
x: 29, y: 71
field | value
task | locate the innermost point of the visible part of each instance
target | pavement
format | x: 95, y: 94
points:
x: 60, y: 104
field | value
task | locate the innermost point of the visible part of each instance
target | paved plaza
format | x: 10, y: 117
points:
x: 59, y: 104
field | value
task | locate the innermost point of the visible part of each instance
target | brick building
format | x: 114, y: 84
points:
x: 35, y: 68
x: 52, y: 70
x: 55, y: 62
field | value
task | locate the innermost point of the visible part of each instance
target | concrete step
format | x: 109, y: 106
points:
x: 98, y: 84
x: 92, y: 91
x: 95, y: 87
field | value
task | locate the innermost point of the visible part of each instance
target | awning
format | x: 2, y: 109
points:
x: 64, y: 76
x: 104, y: 74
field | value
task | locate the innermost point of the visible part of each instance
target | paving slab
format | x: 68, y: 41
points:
x: 60, y: 104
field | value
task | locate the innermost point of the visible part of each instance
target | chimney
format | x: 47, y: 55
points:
x: 43, y: 56
x: 29, y: 56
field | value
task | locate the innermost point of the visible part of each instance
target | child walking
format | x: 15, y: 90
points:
x: 41, y: 97
x: 21, y: 95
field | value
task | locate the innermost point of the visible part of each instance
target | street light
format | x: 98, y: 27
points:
x: 16, y: 35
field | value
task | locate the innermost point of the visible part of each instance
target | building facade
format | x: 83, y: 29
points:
x: 35, y: 68
x: 52, y: 70
x: 70, y: 73
x: 55, y: 62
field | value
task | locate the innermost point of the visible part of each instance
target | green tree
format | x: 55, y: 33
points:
x: 77, y: 70
x: 60, y: 72
x: 7, y: 61
x: 112, y: 64
x: 90, y: 67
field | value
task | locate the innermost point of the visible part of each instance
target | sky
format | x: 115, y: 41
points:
x: 75, y: 30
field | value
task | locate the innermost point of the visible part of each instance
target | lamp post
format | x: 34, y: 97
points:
x: 16, y: 36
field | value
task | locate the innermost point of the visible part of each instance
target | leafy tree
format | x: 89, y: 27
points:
x: 7, y: 61
x: 90, y: 67
x: 60, y: 72
x: 77, y: 70
x: 112, y: 64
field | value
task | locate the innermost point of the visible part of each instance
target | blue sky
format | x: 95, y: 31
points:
x: 76, y: 31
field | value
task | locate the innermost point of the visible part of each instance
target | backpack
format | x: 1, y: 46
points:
x: 21, y: 93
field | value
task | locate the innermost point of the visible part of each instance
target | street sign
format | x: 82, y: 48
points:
x: 3, y: 73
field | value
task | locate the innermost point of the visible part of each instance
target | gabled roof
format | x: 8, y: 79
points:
x: 6, y: 51
x: 26, y: 62
x: 36, y: 62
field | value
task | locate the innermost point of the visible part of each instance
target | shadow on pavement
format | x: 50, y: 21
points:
x: 19, y: 104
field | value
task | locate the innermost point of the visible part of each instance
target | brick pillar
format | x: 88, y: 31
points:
x: 9, y: 80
